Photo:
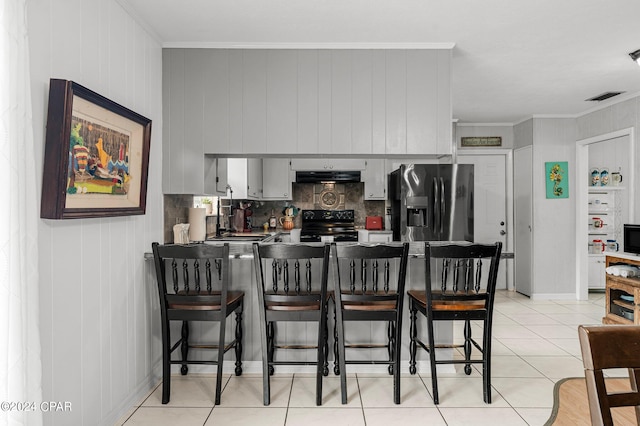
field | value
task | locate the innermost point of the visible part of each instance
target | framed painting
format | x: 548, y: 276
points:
x: 557, y: 179
x: 96, y: 156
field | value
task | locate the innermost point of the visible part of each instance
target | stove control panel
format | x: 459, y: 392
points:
x: 328, y: 215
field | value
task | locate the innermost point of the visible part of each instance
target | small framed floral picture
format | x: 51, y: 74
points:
x: 557, y: 179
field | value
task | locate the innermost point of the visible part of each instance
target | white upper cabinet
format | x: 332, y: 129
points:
x: 245, y: 177
x: 216, y: 92
x: 301, y: 101
x: 361, y: 90
x: 341, y: 127
x: 183, y: 159
x: 254, y: 178
x: 396, y: 102
x: 276, y: 179
x: 215, y: 176
x: 254, y: 102
x: 374, y: 177
x: 281, y: 102
x: 308, y: 105
x: 173, y: 146
x: 235, y: 106
x: 328, y: 164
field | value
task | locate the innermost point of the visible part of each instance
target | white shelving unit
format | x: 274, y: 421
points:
x: 604, y: 203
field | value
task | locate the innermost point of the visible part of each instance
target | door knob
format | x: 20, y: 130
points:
x: 503, y: 232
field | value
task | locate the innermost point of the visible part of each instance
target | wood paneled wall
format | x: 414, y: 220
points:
x: 96, y: 305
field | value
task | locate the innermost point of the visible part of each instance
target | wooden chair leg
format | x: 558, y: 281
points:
x: 391, y: 346
x: 271, y: 341
x: 238, y: 345
x: 486, y: 364
x: 396, y: 364
x: 266, y: 376
x: 467, y: 346
x: 432, y: 361
x: 336, y: 345
x: 221, y: 345
x: 166, y: 362
x: 320, y: 360
x: 325, y: 347
x: 185, y: 347
x: 413, y: 334
x: 341, y: 357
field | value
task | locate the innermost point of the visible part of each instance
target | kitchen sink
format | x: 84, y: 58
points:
x: 241, y: 237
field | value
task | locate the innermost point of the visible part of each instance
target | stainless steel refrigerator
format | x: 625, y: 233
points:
x: 432, y: 202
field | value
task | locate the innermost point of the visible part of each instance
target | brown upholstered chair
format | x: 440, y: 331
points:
x: 197, y: 290
x: 461, y: 293
x: 292, y: 286
x: 610, y: 346
x: 367, y: 290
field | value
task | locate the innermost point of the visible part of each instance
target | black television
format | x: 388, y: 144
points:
x: 632, y: 238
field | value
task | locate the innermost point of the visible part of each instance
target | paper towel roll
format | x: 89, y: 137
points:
x: 197, y: 224
x: 181, y: 233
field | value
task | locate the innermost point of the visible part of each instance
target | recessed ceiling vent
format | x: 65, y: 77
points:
x: 603, y: 96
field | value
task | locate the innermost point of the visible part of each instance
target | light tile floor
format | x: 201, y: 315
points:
x: 535, y: 345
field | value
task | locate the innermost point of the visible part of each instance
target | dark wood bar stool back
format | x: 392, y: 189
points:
x: 462, y: 291
x: 193, y: 284
x: 604, y: 347
x: 366, y: 289
x: 292, y: 286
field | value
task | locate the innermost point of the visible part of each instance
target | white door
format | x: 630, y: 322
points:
x: 523, y: 208
x: 490, y: 204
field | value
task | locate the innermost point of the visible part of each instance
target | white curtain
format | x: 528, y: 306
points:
x: 20, y: 364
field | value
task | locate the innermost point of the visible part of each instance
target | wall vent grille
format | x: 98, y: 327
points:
x: 603, y: 96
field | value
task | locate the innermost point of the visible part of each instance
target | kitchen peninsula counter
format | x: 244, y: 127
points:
x: 242, y: 247
x: 242, y: 273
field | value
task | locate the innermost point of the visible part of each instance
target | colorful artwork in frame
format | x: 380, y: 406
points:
x: 557, y: 179
x: 96, y: 156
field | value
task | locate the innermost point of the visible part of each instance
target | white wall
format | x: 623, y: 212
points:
x: 523, y: 134
x: 96, y: 303
x: 554, y: 251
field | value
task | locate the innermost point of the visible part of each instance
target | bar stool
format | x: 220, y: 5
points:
x: 293, y: 295
x: 198, y: 291
x: 369, y: 292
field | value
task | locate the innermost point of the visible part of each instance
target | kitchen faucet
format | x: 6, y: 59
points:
x: 227, y: 188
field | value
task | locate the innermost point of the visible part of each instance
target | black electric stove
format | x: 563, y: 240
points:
x: 338, y: 224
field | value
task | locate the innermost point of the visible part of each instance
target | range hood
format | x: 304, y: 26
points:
x: 327, y: 176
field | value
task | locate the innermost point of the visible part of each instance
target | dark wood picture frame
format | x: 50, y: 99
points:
x: 85, y: 132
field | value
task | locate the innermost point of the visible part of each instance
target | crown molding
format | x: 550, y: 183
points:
x: 485, y: 124
x: 289, y: 45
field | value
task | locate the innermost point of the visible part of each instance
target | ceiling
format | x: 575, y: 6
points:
x: 511, y: 59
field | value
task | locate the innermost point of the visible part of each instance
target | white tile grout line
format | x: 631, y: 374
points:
x: 504, y: 297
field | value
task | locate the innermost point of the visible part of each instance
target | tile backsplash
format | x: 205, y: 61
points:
x: 303, y: 199
x: 176, y: 210
x: 176, y: 207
